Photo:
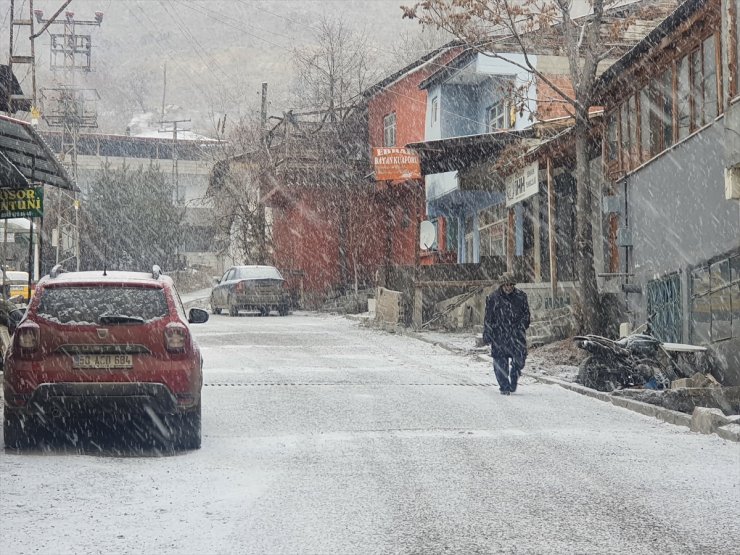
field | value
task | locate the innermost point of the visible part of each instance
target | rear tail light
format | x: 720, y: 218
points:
x: 240, y: 287
x: 28, y: 338
x: 175, y: 338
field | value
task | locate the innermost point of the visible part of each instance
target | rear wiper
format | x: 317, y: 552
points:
x: 120, y: 319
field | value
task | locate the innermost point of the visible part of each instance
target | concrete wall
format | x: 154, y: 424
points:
x: 676, y: 207
x: 679, y: 217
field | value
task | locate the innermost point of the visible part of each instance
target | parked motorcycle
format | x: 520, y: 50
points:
x: 637, y: 360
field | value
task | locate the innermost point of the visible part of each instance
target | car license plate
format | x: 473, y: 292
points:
x: 103, y: 361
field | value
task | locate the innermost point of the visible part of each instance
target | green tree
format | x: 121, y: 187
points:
x: 130, y: 221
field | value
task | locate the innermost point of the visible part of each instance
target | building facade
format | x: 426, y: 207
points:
x: 671, y: 157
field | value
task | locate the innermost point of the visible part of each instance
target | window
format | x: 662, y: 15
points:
x: 711, y: 109
x: 697, y: 96
x: 634, y: 146
x: 87, y: 304
x: 612, y: 145
x: 626, y: 147
x: 435, y: 110
x: 498, y: 116
x: 492, y: 222
x: 666, y: 90
x: 715, y: 300
x: 674, y: 104
x: 389, y: 129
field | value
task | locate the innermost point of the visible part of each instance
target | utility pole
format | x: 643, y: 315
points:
x: 71, y: 108
x: 175, y: 173
x: 261, y: 216
x: 22, y: 53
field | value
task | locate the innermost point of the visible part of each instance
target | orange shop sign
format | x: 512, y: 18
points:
x: 395, y: 163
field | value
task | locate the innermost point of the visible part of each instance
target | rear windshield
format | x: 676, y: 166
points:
x: 258, y: 273
x: 87, y: 305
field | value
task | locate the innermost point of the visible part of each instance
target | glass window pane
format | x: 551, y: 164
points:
x: 634, y: 147
x: 645, y: 134
x: 684, y: 90
x: 624, y: 117
x: 699, y: 281
x: 710, y: 80
x: 667, y: 93
x: 697, y: 97
x: 719, y: 274
x: 721, y: 315
x: 656, y: 119
x: 701, y: 320
x: 612, y: 146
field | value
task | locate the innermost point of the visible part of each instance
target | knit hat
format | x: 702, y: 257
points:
x: 507, y: 277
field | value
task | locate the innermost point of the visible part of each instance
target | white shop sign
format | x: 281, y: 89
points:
x: 522, y: 184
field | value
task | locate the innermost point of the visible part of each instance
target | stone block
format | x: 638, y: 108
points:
x: 681, y: 383
x: 706, y: 421
x: 730, y: 432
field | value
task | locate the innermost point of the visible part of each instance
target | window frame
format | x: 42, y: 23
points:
x: 435, y: 109
x: 505, y: 114
x: 390, y: 130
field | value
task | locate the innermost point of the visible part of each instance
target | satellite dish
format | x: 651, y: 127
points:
x: 427, y: 235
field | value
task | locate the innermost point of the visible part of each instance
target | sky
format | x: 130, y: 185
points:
x: 217, y: 52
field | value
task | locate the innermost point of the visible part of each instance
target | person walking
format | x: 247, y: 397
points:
x: 504, y: 328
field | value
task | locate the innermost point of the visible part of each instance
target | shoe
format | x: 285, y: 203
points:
x: 505, y: 392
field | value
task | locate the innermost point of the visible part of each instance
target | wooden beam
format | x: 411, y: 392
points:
x: 732, y: 60
x: 551, y: 229
x: 511, y: 241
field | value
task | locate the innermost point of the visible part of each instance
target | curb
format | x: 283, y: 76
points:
x: 661, y: 413
x: 727, y: 428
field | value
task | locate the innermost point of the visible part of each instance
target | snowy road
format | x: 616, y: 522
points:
x: 321, y: 436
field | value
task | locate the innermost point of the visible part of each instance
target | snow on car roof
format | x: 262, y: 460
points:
x: 97, y: 276
x: 257, y: 272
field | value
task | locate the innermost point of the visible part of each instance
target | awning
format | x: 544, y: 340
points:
x: 459, y: 153
x: 26, y: 159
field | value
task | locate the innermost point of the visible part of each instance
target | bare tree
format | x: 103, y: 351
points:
x: 332, y: 73
x: 526, y: 27
x: 234, y: 193
x: 412, y: 45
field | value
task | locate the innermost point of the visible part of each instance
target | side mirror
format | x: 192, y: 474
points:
x: 14, y: 318
x: 197, y: 316
x: 215, y: 280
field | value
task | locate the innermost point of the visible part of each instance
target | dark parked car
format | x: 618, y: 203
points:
x: 255, y: 288
x: 104, y: 343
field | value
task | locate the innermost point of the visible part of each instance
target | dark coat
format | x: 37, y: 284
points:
x: 506, y: 322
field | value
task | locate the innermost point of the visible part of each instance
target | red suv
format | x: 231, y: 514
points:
x: 104, y: 342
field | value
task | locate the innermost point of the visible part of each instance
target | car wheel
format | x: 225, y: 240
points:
x: 18, y: 430
x: 264, y: 311
x: 186, y: 429
x: 215, y: 310
x: 283, y: 311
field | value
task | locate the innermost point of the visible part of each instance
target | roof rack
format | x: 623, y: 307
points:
x: 56, y: 270
x: 156, y: 271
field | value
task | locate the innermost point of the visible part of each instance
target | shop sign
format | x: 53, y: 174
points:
x: 395, y: 164
x: 22, y: 203
x: 522, y: 184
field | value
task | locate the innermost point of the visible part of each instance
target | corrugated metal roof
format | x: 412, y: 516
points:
x: 25, y: 158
